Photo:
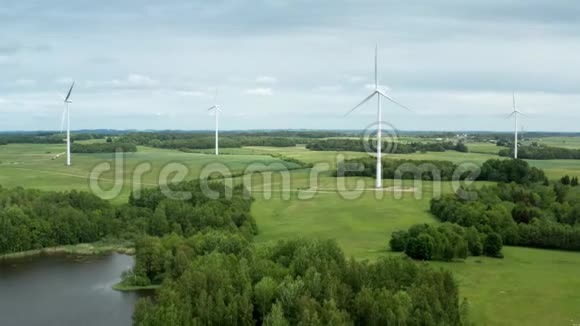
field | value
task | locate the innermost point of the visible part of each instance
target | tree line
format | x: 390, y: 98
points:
x: 445, y: 242
x: 542, y: 152
x: 44, y: 137
x: 393, y: 168
x: 111, y: 147
x: 566, y: 180
x: 205, y: 141
x: 357, y: 145
x: 534, y: 215
x: 517, y: 171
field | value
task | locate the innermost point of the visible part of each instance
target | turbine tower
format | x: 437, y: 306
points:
x: 515, y: 113
x: 217, y: 110
x: 378, y: 93
x: 66, y: 115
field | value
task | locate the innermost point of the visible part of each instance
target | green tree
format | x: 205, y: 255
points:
x: 420, y: 247
x: 474, y: 243
x: 264, y: 295
x: 399, y: 240
x: 493, y: 244
x: 276, y: 317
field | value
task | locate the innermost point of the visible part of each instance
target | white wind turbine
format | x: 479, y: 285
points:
x: 515, y: 113
x: 66, y: 115
x: 379, y: 93
x: 217, y: 110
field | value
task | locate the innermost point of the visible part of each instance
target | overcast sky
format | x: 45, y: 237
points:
x: 143, y: 64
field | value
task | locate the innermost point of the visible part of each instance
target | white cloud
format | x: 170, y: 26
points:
x: 266, y: 80
x: 133, y: 81
x: 355, y: 79
x: 25, y: 82
x: 137, y: 80
x: 63, y: 80
x: 259, y: 91
x: 329, y: 88
x: 191, y: 93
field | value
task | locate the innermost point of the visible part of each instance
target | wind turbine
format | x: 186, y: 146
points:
x: 378, y: 93
x: 515, y: 113
x: 217, y: 110
x: 66, y: 113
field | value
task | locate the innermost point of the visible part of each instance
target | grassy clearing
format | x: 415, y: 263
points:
x: 527, y: 287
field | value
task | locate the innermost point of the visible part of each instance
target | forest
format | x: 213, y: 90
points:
x: 542, y: 152
x: 356, y: 145
x: 32, y: 219
x: 532, y: 215
x: 445, y: 242
x: 409, y: 169
x: 295, y: 282
x: 518, y: 171
x: 44, y: 137
x: 207, y: 140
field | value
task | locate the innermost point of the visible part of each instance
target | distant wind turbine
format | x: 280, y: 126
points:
x: 379, y: 93
x: 515, y: 113
x: 217, y: 110
x: 66, y: 115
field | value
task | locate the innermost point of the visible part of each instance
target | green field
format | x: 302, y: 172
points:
x: 484, y: 148
x: 529, y: 286
x: 563, y: 141
x: 35, y: 166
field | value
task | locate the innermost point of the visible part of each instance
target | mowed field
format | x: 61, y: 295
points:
x: 35, y: 166
x: 528, y: 286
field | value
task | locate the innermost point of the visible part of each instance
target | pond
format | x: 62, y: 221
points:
x: 65, y: 290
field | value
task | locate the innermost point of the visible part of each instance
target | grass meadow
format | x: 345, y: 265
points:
x: 528, y: 286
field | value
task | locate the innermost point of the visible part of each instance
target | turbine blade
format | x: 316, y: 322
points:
x: 514, y: 100
x: 69, y: 91
x: 510, y: 115
x: 212, y: 108
x: 361, y: 103
x: 392, y: 100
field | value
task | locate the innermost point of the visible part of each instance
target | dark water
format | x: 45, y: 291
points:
x: 65, y: 290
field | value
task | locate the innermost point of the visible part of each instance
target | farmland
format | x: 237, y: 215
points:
x: 528, y: 286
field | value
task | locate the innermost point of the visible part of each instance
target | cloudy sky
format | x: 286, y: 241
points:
x: 144, y: 64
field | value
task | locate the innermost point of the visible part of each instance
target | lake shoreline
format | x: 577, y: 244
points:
x: 134, y: 288
x: 82, y: 249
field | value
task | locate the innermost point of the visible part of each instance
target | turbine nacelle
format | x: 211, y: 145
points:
x: 215, y: 108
